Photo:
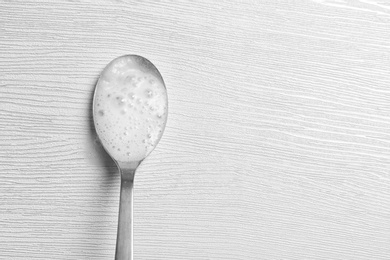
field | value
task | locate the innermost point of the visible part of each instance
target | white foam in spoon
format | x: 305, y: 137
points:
x: 130, y: 110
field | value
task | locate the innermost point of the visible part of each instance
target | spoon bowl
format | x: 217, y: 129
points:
x: 130, y: 108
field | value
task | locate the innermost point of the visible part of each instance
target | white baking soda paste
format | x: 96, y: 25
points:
x: 130, y: 110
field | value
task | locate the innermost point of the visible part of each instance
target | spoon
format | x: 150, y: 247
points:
x: 130, y: 108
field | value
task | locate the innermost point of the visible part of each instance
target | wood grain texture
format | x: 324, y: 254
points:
x: 277, y: 144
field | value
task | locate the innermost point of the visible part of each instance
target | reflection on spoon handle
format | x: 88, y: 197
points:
x: 124, y: 242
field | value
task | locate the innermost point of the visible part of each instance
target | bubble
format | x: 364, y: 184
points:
x: 130, y: 78
x: 149, y: 136
x: 126, y: 133
x: 120, y: 101
x: 149, y: 93
x: 137, y: 82
x: 128, y: 154
x: 101, y: 112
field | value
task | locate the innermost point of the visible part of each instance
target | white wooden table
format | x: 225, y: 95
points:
x: 277, y: 144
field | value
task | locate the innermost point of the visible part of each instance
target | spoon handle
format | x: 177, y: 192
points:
x: 124, y: 241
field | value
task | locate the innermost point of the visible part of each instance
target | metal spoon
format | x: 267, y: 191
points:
x: 130, y: 110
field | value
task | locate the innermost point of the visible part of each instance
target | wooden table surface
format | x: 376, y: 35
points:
x: 277, y: 144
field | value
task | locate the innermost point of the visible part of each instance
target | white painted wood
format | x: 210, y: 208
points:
x: 277, y: 144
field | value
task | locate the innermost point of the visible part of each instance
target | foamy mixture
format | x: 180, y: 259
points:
x: 130, y: 110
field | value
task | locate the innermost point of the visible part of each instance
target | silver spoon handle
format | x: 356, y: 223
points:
x: 124, y: 241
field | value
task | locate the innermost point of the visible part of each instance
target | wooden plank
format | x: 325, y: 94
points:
x: 277, y: 144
